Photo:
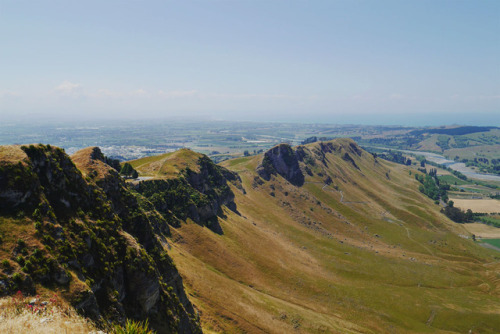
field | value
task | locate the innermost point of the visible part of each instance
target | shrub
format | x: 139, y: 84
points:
x: 38, y: 226
x: 17, y: 277
x: 134, y: 327
x: 20, y: 260
x: 6, y: 264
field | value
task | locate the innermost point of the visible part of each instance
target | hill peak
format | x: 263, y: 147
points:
x: 10, y: 154
x: 91, y: 161
x: 167, y: 165
x: 282, y: 160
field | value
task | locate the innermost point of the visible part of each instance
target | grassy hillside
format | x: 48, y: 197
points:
x: 321, y: 238
x: 357, y: 248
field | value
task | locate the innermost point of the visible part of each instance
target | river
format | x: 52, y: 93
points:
x: 458, y: 166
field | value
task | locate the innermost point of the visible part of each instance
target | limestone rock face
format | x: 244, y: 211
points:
x: 282, y: 160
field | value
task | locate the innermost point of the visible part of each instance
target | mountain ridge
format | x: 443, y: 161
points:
x: 353, y: 239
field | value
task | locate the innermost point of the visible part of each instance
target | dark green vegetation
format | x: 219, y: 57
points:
x: 485, y: 165
x: 87, y: 237
x: 198, y: 195
x: 458, y: 215
x: 128, y: 171
x: 432, y: 187
x: 493, y: 220
x: 396, y: 157
x: 457, y: 131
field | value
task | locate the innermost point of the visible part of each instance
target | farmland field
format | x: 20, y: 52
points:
x: 483, y: 230
x: 478, y: 205
x: 493, y: 242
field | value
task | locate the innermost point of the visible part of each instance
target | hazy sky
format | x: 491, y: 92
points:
x: 331, y: 61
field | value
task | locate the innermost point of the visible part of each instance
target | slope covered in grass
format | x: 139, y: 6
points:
x: 321, y: 238
x: 167, y: 165
x: 355, y: 249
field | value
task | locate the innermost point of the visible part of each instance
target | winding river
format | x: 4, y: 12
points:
x: 458, y: 166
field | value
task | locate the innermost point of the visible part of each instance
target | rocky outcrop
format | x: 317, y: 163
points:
x: 95, y: 239
x: 19, y: 187
x: 282, y: 160
x: 198, y: 195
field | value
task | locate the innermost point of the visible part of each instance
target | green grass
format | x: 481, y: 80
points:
x: 493, y: 242
x: 451, y: 179
x: 148, y: 160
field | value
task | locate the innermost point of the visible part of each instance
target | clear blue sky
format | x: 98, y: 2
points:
x: 421, y: 62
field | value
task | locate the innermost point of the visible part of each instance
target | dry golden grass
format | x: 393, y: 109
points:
x: 82, y: 160
x: 483, y: 230
x: 429, y: 144
x: 491, y: 151
x: 12, y: 154
x: 301, y: 260
x: 167, y: 165
x: 486, y: 205
x: 56, y: 319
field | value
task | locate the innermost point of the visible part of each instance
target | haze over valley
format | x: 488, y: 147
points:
x: 250, y: 167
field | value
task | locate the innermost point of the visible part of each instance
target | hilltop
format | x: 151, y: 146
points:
x: 168, y: 165
x: 317, y: 238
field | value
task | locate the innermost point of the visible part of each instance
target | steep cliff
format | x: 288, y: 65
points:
x: 282, y: 160
x: 89, y: 237
x: 197, y: 189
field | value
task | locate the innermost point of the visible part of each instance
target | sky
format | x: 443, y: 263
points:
x: 363, y: 62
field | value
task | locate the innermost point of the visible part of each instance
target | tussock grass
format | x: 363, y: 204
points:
x: 17, y: 316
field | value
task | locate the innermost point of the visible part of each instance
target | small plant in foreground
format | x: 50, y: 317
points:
x: 134, y: 327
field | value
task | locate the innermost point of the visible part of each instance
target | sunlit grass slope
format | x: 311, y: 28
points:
x: 356, y: 249
x: 167, y: 165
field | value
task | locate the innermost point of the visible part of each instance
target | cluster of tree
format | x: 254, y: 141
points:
x: 396, y: 157
x: 495, y: 196
x: 485, y: 165
x: 314, y: 139
x: 454, y: 172
x: 488, y: 218
x: 458, y: 215
x: 433, y: 172
x: 247, y: 153
x: 458, y: 131
x: 431, y: 187
x: 128, y: 171
x: 309, y: 140
x: 443, y: 142
x: 398, y: 141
